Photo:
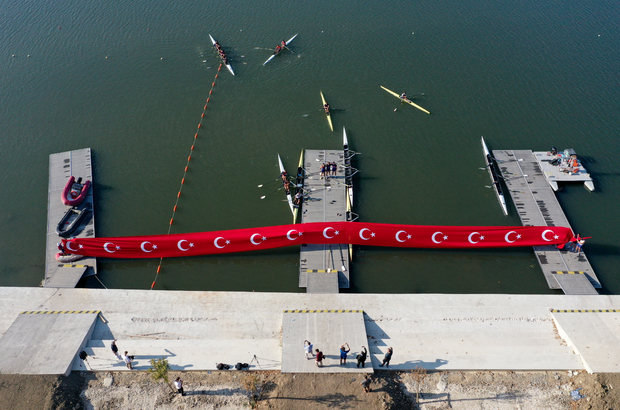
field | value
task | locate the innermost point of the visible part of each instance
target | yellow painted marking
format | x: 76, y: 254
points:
x: 323, y: 311
x: 73, y: 266
x: 570, y: 272
x: 585, y: 310
x: 58, y: 312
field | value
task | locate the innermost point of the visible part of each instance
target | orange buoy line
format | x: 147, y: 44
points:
x: 189, y: 158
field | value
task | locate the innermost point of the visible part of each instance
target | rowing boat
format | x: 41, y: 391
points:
x: 494, y: 177
x: 405, y: 100
x: 226, y: 63
x: 348, y: 181
x: 299, y: 186
x: 329, y: 117
x: 275, y: 53
x: 347, y: 166
x: 288, y: 191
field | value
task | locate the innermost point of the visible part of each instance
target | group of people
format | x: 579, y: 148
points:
x: 220, y: 51
x: 329, y: 169
x: 574, y: 245
x: 280, y: 47
x: 125, y: 358
x: 344, y: 350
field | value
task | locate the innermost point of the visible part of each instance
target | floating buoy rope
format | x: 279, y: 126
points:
x: 189, y: 158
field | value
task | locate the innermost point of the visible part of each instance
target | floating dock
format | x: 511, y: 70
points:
x: 324, y: 268
x: 63, y: 165
x: 563, y: 167
x: 537, y: 205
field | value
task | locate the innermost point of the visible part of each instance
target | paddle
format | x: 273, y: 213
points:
x: 276, y: 180
x: 271, y: 193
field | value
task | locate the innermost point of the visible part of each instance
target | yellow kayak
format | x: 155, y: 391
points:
x: 329, y: 117
x: 299, y: 181
x: 405, y: 100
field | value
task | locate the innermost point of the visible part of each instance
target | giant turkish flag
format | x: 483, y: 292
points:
x: 356, y: 233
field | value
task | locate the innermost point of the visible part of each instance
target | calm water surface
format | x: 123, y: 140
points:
x: 129, y: 79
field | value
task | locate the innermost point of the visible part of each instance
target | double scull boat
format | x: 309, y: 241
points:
x: 405, y: 100
x: 278, y: 51
x: 222, y: 56
x: 329, y: 117
x: 495, y: 178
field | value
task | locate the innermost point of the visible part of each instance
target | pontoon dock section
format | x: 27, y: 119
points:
x: 63, y: 165
x: 537, y: 205
x: 324, y: 268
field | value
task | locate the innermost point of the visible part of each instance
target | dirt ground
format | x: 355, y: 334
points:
x: 277, y: 391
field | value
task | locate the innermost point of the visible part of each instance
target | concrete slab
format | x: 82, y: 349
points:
x: 574, y: 283
x: 594, y: 334
x: 443, y: 332
x: 45, y: 342
x: 66, y: 276
x: 322, y: 281
x: 327, y: 331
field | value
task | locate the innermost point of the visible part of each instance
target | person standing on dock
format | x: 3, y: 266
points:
x: 322, y: 171
x: 319, y: 358
x: 334, y: 169
x: 115, y: 349
x: 361, y: 358
x: 387, y: 358
x: 128, y: 359
x: 308, y: 349
x: 343, y: 353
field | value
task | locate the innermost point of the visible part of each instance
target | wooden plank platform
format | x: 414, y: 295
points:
x: 537, y: 205
x: 62, y: 166
x: 325, y: 202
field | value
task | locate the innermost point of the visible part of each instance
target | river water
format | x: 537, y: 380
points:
x: 129, y: 79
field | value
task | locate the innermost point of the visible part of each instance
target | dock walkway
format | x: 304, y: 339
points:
x: 324, y: 268
x: 537, y: 205
x: 62, y: 166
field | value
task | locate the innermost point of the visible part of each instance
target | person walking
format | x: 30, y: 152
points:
x: 308, y: 349
x: 115, y: 349
x: 366, y: 383
x: 178, y: 383
x: 343, y: 353
x: 387, y: 358
x: 361, y: 358
x: 128, y: 359
x: 319, y: 358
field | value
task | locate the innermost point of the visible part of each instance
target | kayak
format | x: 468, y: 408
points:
x: 275, y: 53
x: 405, y: 100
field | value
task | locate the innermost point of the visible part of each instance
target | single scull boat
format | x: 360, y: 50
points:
x: 222, y: 56
x: 286, y: 188
x: 405, y: 100
x: 494, y: 177
x: 329, y: 117
x: 348, y: 180
x: 275, y: 53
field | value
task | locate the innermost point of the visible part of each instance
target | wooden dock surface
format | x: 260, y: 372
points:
x: 62, y: 166
x: 324, y: 268
x: 537, y: 204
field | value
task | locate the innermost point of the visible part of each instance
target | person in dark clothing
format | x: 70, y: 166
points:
x: 361, y: 358
x: 387, y: 358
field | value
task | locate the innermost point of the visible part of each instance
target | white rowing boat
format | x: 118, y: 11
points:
x: 224, y: 61
x: 494, y: 177
x: 289, y: 199
x: 275, y: 53
x: 348, y: 180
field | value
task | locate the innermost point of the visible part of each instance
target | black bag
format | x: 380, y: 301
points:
x: 220, y: 366
x: 238, y: 366
x: 83, y: 355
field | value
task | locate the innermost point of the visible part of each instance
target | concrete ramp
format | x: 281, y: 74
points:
x: 45, y: 342
x: 327, y: 330
x: 594, y: 335
x: 66, y: 276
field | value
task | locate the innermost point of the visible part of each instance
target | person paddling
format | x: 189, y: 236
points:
x: 326, y: 108
x: 403, y: 96
x: 283, y: 44
x: 278, y: 49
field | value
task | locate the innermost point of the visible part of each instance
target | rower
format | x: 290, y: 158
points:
x: 298, y: 197
x: 286, y: 187
x: 326, y: 108
x: 403, y: 96
x: 283, y: 44
x: 278, y: 48
x: 284, y: 176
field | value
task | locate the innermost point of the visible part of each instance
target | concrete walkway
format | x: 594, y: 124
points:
x: 196, y: 330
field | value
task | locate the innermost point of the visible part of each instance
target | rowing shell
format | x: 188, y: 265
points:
x: 405, y: 100
x: 299, y: 185
x: 289, y: 199
x: 348, y: 181
x: 494, y: 177
x: 227, y: 65
x: 329, y: 117
x: 275, y: 54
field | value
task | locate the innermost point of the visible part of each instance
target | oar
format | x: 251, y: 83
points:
x: 263, y: 197
x: 290, y: 50
x: 276, y: 180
